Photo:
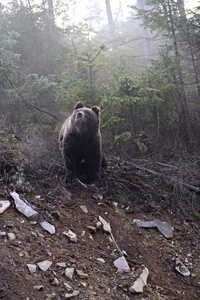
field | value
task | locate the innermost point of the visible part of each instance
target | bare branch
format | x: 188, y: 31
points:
x: 167, y: 178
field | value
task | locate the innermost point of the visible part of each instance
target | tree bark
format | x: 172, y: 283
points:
x: 109, y: 16
x: 145, y: 35
x: 186, y: 123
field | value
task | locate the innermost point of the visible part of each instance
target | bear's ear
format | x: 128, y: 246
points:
x: 78, y: 105
x: 96, y: 109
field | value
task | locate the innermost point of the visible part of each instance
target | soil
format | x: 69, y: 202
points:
x: 124, y: 194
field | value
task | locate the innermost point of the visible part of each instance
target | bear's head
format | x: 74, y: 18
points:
x: 86, y: 119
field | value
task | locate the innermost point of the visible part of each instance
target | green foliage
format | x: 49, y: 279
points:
x: 122, y: 138
x: 10, y: 139
x: 32, y: 101
x: 141, y: 146
x: 46, y: 69
x: 122, y: 198
x: 197, y: 214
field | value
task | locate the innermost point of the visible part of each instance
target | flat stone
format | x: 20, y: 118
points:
x: 140, y: 283
x: 32, y: 268
x: 165, y: 228
x: 98, y: 224
x: 71, y: 236
x: 4, y: 204
x: 72, y: 295
x: 122, y: 265
x: 48, y: 227
x: 61, y: 264
x: 84, y: 209
x: 81, y: 274
x: 44, y: 265
x: 101, y: 260
x: 92, y: 228
x: 38, y: 287
x: 55, y: 281
x: 106, y: 225
x: 67, y: 286
x: 11, y: 236
x: 69, y: 272
x: 181, y: 268
x: 22, y: 207
x: 2, y: 233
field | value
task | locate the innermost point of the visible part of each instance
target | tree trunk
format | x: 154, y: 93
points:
x: 181, y: 8
x: 35, y: 39
x: 145, y: 35
x: 109, y: 16
x: 186, y: 123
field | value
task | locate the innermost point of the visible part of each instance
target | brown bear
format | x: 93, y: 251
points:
x: 80, y: 140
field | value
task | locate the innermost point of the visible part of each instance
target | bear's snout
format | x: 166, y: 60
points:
x: 79, y: 115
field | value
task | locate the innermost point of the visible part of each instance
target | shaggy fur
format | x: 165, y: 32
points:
x: 80, y: 140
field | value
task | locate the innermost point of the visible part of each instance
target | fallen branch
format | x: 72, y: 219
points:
x: 167, y: 178
x: 126, y: 181
x: 158, y: 163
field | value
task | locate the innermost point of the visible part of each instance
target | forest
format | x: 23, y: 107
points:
x: 142, y: 70
x: 139, y: 62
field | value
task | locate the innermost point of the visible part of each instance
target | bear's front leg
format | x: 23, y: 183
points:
x: 92, y: 158
x: 94, y: 177
x: 70, y: 171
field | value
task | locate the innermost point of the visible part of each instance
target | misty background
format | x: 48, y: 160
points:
x: 137, y: 60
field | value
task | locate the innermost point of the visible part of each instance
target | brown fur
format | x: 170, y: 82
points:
x: 80, y: 139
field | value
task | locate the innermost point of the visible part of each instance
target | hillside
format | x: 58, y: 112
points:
x: 125, y: 194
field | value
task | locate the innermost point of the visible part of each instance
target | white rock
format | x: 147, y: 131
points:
x: 4, y: 204
x: 98, y: 224
x: 67, y: 286
x: 84, y: 209
x: 81, y: 274
x: 38, y: 287
x: 122, y: 265
x: 101, y: 260
x: 106, y: 225
x: 84, y: 284
x: 50, y: 296
x: 2, y: 233
x: 61, y: 264
x: 164, y: 228
x: 83, y: 233
x: 71, y: 236
x: 69, y: 272
x: 32, y: 222
x: 124, y: 252
x: 48, y: 227
x: 44, y: 265
x: 22, y: 207
x: 90, y: 237
x: 140, y: 283
x: 55, y: 281
x: 32, y: 268
x: 181, y: 268
x: 11, y: 236
x: 92, y: 228
x: 72, y: 295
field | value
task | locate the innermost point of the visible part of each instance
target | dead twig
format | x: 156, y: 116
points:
x: 126, y: 181
x: 167, y: 178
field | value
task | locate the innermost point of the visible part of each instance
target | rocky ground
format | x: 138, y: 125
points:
x: 125, y: 194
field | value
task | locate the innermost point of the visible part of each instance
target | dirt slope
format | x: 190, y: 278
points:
x: 146, y: 197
